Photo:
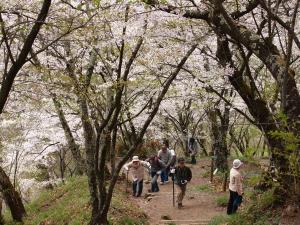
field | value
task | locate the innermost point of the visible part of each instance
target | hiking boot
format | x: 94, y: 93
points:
x: 180, y: 205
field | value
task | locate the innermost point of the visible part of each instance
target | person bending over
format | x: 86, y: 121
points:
x: 156, y: 167
x: 137, y: 170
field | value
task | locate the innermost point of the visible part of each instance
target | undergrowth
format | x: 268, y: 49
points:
x: 222, y: 201
x: 69, y: 204
x: 262, y: 210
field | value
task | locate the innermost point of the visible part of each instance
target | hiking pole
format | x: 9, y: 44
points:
x: 126, y: 187
x: 173, y: 191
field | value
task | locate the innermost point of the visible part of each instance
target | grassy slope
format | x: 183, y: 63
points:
x: 69, y: 204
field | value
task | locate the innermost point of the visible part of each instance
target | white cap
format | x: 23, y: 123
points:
x: 135, y: 159
x: 236, y: 163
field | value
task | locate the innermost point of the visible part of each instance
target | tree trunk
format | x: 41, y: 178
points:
x: 202, y: 144
x: 1, y: 217
x: 62, y: 163
x: 90, y: 148
x: 78, y: 160
x: 259, y: 110
x: 11, y: 197
x: 219, y: 146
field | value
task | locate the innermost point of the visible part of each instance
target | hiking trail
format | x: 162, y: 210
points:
x: 199, y: 206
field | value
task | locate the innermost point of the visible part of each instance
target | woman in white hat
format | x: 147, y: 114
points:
x: 235, y: 187
x: 137, y: 171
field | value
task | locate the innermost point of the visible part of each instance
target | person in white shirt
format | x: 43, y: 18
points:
x: 137, y: 171
x: 174, y: 158
x: 235, y: 187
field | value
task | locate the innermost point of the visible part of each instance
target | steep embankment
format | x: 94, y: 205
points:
x: 69, y: 204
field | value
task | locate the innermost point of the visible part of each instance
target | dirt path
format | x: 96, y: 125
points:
x: 199, y: 206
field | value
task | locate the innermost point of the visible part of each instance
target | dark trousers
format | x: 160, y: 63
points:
x: 164, y: 175
x: 193, y: 159
x: 154, y: 184
x: 234, y: 202
x: 137, y: 188
x: 181, y: 189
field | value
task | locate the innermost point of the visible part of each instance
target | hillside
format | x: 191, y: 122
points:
x: 69, y: 204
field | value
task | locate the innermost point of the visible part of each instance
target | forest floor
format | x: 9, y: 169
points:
x: 200, y: 202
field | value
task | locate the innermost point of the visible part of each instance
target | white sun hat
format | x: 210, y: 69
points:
x: 135, y: 158
x: 236, y: 163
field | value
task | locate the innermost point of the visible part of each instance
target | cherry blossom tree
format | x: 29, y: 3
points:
x: 249, y: 33
x: 11, y: 65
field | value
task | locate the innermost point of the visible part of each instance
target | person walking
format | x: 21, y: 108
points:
x: 173, y: 158
x: 165, y: 156
x: 182, y: 175
x: 235, y: 187
x: 156, y: 166
x: 193, y: 150
x: 136, y: 167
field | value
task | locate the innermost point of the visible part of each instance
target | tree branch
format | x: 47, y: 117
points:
x: 20, y: 61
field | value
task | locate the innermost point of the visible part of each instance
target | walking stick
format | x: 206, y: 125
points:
x: 126, y: 187
x: 173, y: 191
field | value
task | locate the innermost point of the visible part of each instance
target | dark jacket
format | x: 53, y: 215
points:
x: 157, y: 165
x: 182, y: 174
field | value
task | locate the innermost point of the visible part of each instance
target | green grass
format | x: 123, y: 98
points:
x: 130, y: 221
x: 222, y: 200
x: 203, y: 188
x: 261, y: 211
x: 69, y: 204
x: 206, y: 174
x: 218, y: 220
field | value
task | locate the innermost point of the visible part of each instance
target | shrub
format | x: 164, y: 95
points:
x: 253, y: 180
x: 266, y: 203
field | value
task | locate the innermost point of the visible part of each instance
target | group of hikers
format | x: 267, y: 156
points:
x: 164, y: 165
